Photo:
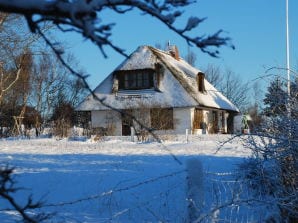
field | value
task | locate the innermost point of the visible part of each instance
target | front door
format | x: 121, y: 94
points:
x: 126, y: 122
x: 198, y: 119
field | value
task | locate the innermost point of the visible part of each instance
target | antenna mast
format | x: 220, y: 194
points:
x: 288, y: 48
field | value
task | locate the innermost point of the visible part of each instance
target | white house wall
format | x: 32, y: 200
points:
x: 183, y: 119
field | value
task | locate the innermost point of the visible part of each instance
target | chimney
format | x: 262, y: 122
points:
x: 174, y: 52
x: 201, y: 82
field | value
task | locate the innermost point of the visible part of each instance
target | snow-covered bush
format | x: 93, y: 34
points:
x: 273, y: 169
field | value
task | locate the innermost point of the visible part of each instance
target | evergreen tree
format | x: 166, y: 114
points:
x: 275, y: 99
x: 294, y: 99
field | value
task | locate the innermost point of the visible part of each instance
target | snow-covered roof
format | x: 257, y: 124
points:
x: 178, y: 87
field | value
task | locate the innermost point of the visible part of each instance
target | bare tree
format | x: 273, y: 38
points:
x: 6, y: 83
x: 214, y: 75
x: 82, y: 17
x: 54, y: 84
x: 234, y: 89
x: 9, y: 51
x: 229, y: 84
x: 17, y: 59
x: 15, y: 89
x: 191, y: 57
x: 22, y: 88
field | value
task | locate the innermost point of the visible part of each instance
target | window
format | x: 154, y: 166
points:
x: 127, y: 122
x: 83, y: 118
x: 135, y: 79
x: 162, y: 118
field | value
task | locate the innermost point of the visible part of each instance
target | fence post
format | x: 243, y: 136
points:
x: 132, y: 134
x: 186, y: 135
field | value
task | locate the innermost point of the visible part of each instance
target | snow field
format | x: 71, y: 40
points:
x: 200, y: 145
x: 116, y: 181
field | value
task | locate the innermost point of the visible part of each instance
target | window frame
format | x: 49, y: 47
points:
x: 136, y: 79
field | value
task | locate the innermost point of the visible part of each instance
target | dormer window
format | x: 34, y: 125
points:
x: 135, y: 79
x: 201, y: 82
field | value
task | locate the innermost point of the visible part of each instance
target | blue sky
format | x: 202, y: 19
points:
x: 257, y: 29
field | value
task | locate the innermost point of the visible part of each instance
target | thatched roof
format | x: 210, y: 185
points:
x: 178, y: 87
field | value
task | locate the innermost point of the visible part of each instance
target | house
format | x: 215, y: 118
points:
x: 163, y: 92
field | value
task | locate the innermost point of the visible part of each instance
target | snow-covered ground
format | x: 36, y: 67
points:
x: 116, y: 181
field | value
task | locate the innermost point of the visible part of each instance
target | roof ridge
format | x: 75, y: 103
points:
x: 160, y: 50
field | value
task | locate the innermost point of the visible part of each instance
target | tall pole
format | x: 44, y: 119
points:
x: 288, y: 48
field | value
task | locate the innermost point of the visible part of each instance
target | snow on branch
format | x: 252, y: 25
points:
x: 82, y: 16
x: 8, y: 188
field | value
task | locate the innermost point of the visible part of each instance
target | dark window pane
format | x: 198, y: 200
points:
x: 139, y: 79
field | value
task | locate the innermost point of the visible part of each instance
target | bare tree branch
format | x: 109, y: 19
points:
x: 83, y: 17
x: 7, y: 187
